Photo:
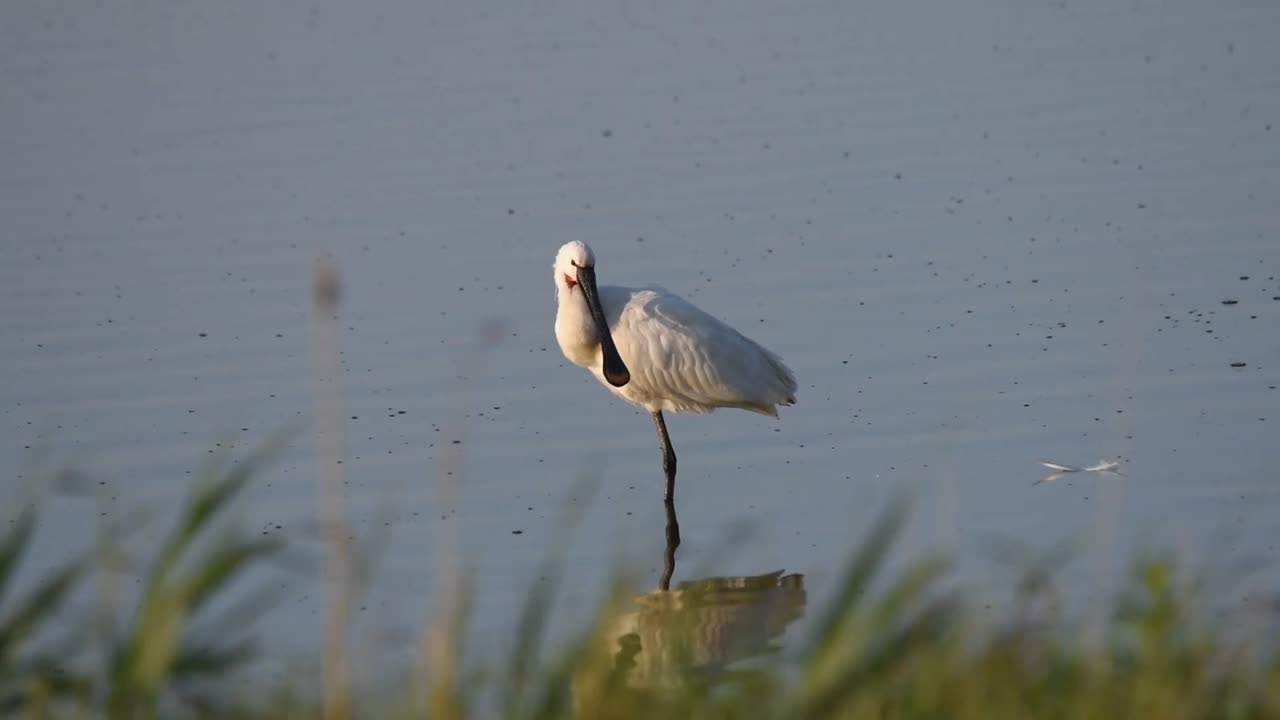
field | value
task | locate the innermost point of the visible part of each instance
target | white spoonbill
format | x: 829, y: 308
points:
x: 654, y: 349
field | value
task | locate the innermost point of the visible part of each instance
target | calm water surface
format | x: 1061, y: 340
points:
x: 982, y: 234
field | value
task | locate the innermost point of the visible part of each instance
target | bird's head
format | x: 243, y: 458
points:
x: 576, y: 270
x: 573, y: 256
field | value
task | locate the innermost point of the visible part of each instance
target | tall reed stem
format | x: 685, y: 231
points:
x: 333, y: 511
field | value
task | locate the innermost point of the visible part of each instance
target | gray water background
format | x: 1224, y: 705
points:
x: 982, y: 234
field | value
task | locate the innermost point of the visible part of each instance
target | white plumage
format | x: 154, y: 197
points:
x: 684, y: 360
x: 670, y: 355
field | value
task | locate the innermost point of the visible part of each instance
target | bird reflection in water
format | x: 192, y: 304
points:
x: 698, y: 629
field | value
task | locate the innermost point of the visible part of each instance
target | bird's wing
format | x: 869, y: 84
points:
x: 696, y: 361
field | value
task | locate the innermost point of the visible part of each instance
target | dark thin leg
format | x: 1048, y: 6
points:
x: 673, y: 523
x: 668, y: 456
x: 673, y: 542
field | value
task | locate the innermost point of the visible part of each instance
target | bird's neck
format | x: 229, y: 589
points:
x: 575, y: 330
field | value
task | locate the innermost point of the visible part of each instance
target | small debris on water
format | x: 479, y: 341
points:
x: 1058, y: 467
x: 1238, y: 364
x: 1060, y: 470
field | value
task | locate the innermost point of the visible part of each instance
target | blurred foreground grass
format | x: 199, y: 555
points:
x: 895, y: 644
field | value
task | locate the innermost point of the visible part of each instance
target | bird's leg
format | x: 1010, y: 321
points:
x: 668, y: 456
x: 673, y: 542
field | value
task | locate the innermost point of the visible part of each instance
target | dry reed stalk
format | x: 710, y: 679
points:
x: 439, y: 646
x: 329, y: 426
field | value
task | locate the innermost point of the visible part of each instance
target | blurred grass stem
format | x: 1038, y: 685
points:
x: 329, y: 427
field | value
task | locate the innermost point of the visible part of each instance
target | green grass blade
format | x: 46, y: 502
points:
x: 858, y: 575
x: 204, y: 661
x: 531, y: 628
x: 247, y: 609
x: 221, y: 567
x: 39, y: 604
x: 529, y: 633
x: 536, y: 612
x: 146, y: 659
x: 14, y: 544
x: 916, y: 638
x: 907, y: 591
x: 41, y: 675
x: 209, y: 497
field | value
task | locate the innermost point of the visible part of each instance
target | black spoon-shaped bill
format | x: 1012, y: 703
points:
x: 615, y: 371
